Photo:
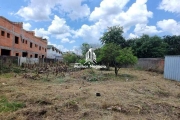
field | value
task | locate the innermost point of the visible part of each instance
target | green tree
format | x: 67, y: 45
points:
x: 113, y: 35
x: 148, y: 46
x: 70, y: 58
x: 84, y: 48
x: 112, y: 54
x: 173, y: 42
x: 108, y: 54
x: 125, y: 57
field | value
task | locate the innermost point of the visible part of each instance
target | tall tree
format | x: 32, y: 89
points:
x: 173, y: 44
x: 113, y: 35
x: 148, y: 46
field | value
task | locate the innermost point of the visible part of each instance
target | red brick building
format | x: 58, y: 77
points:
x: 15, y: 41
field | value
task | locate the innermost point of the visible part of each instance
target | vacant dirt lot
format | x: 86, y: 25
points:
x: 133, y: 95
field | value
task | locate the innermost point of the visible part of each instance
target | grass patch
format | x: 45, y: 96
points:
x: 45, y: 79
x: 17, y: 70
x: 60, y: 80
x: 6, y: 106
x: 6, y: 75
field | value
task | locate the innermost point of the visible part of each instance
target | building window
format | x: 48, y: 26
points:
x: 23, y: 41
x: 39, y: 47
x: 5, y: 52
x: 24, y: 54
x: 35, y: 45
x: 26, y: 41
x: 31, y: 44
x: 8, y: 35
x: 30, y: 56
x: 17, y: 54
x: 2, y: 33
x: 16, y: 40
x: 36, y: 55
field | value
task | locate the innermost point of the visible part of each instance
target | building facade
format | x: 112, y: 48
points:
x: 54, y: 53
x: 15, y: 41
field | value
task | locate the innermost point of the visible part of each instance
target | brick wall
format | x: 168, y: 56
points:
x: 14, y: 38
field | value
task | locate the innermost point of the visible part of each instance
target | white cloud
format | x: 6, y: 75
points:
x: 26, y: 26
x: 170, y: 6
x: 37, y: 10
x: 170, y: 26
x: 41, y: 9
x: 41, y: 32
x: 75, y: 8
x: 108, y: 8
x: 144, y: 29
x: 60, y: 30
x: 66, y: 40
x: 91, y: 34
x: 60, y: 47
x: 136, y: 14
x: 131, y: 35
x: 61, y: 36
x: 58, y: 26
x: 112, y: 13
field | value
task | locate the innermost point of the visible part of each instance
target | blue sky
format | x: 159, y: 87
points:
x: 69, y: 23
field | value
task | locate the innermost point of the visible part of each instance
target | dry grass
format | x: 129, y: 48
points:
x: 132, y: 95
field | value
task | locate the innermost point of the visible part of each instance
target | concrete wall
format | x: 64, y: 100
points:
x: 11, y: 30
x: 27, y: 60
x: 151, y: 64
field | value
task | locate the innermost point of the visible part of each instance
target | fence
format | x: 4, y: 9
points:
x: 151, y: 64
x: 172, y: 67
x: 7, y: 60
x: 6, y: 63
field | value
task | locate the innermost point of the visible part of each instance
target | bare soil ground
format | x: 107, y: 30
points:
x: 133, y: 95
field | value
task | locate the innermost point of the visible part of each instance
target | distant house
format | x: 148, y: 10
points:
x: 54, y: 53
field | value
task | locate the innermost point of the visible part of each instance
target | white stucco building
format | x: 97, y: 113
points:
x: 54, y: 53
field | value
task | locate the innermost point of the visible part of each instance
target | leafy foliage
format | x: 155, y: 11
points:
x: 125, y: 57
x: 84, y: 48
x: 70, y: 58
x: 173, y: 44
x: 148, y: 47
x: 113, y: 54
x: 113, y: 35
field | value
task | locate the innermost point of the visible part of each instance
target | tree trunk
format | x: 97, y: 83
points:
x: 116, y: 71
x: 108, y: 66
